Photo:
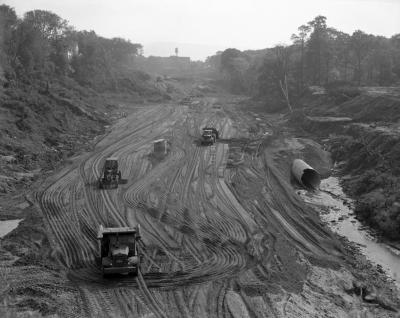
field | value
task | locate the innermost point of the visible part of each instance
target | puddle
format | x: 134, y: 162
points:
x: 336, y: 209
x: 7, y: 226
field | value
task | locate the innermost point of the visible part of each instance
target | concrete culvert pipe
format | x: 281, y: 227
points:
x: 305, y: 174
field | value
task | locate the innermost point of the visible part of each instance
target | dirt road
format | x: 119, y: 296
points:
x: 224, y: 237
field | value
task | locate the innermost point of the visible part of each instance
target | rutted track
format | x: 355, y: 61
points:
x: 201, y: 235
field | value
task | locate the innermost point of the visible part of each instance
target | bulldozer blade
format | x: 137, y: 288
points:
x: 123, y: 181
x: 107, y: 186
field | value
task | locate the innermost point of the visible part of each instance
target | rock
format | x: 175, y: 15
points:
x: 380, y: 269
x: 370, y: 298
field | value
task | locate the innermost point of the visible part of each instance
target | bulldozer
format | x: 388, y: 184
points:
x: 111, y: 175
x: 209, y: 136
x: 119, y: 250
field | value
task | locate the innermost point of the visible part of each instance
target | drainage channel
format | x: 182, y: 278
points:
x: 336, y: 209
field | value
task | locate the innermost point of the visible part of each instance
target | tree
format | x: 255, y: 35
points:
x: 8, y: 24
x: 233, y: 67
x: 276, y: 77
x: 342, y: 54
x: 317, y: 48
x: 47, y: 23
x: 101, y: 60
x: 41, y: 42
x: 361, y: 46
x: 281, y: 70
x: 300, y: 39
x: 395, y: 53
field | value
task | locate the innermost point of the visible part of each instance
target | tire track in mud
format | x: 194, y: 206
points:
x: 290, y: 213
x: 223, y: 261
x: 137, y: 198
x: 67, y: 235
x: 154, y: 303
x: 198, y: 231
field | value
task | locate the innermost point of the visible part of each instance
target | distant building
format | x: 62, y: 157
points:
x: 164, y: 65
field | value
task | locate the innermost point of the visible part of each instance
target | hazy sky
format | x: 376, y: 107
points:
x: 160, y: 25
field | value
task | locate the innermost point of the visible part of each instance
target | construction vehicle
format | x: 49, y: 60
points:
x: 186, y: 100
x: 209, y: 136
x: 119, y: 250
x: 111, y: 175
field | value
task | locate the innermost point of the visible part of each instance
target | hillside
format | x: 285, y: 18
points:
x: 362, y: 132
x: 59, y: 90
x: 162, y: 187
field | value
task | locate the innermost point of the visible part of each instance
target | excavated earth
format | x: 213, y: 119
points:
x: 225, y: 233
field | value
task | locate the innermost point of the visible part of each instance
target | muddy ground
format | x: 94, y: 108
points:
x: 362, y: 134
x: 225, y: 233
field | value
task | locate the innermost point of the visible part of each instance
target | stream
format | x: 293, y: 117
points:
x: 336, y: 209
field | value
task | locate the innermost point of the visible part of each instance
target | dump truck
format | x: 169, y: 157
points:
x: 209, y: 136
x: 111, y: 176
x: 119, y: 250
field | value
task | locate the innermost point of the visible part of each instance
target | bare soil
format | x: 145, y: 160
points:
x: 222, y: 240
x: 362, y: 133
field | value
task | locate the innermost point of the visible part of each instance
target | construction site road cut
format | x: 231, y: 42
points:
x: 225, y: 234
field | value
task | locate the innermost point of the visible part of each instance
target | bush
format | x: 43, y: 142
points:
x: 342, y: 91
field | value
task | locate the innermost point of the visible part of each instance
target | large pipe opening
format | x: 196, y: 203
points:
x: 305, y: 174
x: 311, y: 178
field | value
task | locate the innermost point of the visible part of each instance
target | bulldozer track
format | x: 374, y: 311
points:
x: 200, y: 232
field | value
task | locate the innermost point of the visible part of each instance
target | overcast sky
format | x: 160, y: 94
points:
x: 201, y: 27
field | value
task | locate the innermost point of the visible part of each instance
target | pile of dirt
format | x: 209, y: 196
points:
x: 317, y: 125
x: 363, y: 107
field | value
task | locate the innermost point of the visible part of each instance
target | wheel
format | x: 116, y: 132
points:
x: 134, y: 273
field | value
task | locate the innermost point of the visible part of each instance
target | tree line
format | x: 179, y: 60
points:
x: 318, y: 55
x: 41, y: 45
